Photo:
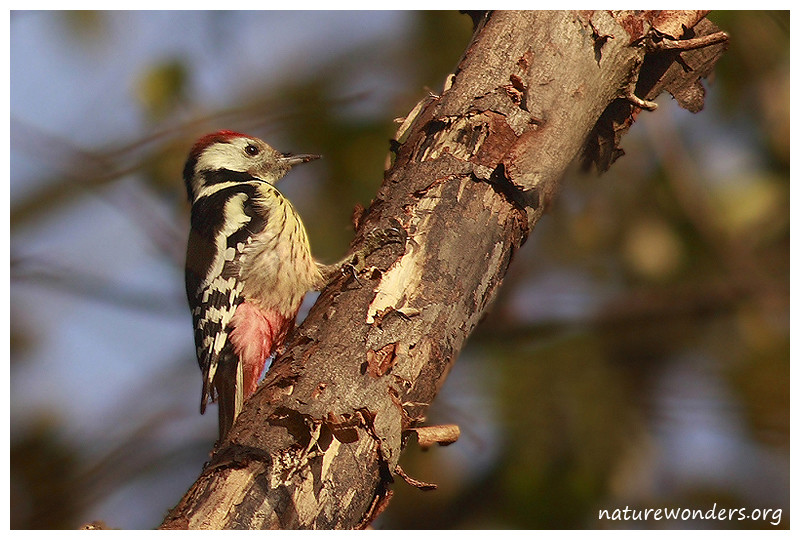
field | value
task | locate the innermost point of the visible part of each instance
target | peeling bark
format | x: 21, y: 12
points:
x: 475, y: 169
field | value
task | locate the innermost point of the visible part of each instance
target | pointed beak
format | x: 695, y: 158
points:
x: 295, y: 159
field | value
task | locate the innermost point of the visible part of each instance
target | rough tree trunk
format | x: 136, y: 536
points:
x: 319, y: 443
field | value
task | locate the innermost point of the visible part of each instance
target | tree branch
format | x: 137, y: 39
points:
x: 317, y: 445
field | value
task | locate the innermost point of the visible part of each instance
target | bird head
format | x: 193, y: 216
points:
x: 237, y: 153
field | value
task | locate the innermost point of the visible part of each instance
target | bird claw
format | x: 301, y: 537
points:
x: 374, y: 240
x: 377, y: 238
x: 352, y: 270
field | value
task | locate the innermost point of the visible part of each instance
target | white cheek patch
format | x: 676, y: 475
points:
x: 223, y: 156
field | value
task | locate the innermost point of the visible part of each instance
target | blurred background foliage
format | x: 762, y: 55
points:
x: 638, y: 354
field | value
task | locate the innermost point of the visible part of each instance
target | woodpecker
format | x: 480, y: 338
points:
x: 248, y: 263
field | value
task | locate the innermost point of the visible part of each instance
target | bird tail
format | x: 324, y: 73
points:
x: 229, y: 384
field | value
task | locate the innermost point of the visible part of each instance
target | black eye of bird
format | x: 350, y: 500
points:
x: 251, y: 150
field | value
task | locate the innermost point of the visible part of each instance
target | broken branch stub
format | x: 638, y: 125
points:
x: 442, y: 435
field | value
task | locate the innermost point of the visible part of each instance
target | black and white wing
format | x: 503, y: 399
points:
x: 223, y: 223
